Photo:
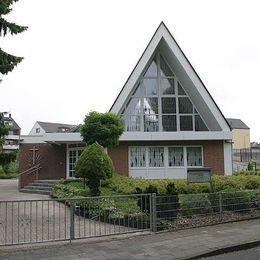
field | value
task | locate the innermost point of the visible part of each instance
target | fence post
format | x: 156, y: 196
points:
x: 220, y: 205
x: 154, y: 212
x: 72, y: 231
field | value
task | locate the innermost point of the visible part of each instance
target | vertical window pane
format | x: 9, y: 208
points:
x: 181, y: 90
x: 137, y: 157
x: 185, y: 106
x: 151, y: 123
x: 150, y: 106
x: 194, y: 156
x: 165, y: 70
x: 156, y: 157
x: 132, y: 123
x: 169, y: 123
x: 168, y: 105
x: 167, y: 86
x: 133, y: 106
x: 152, y: 69
x: 186, y: 123
x: 199, y: 124
x: 150, y: 87
x: 176, y: 156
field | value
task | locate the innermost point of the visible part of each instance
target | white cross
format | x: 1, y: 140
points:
x: 34, y: 150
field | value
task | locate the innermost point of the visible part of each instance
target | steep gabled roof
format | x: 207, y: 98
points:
x: 237, y: 123
x: 164, y: 41
x: 55, y: 127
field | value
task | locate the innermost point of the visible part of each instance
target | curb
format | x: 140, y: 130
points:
x: 226, y: 250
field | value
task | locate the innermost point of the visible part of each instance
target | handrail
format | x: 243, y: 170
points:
x: 32, y: 169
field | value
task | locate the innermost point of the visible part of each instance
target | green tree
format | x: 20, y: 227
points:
x: 104, y: 128
x: 93, y: 166
x: 5, y: 158
x: 8, y: 61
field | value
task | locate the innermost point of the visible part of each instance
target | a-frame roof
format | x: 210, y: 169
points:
x: 163, y: 40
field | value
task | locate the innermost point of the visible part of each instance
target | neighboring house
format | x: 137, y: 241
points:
x: 13, y: 138
x: 171, y: 121
x: 240, y: 134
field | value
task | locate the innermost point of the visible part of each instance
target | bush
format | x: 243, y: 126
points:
x: 94, y: 165
x: 194, y: 204
x: 233, y: 200
x: 10, y: 171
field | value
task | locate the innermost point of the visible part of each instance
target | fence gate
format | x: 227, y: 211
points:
x: 34, y: 221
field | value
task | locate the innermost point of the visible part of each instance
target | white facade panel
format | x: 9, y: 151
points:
x: 228, y: 167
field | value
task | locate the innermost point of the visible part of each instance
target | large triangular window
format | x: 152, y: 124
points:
x: 160, y: 103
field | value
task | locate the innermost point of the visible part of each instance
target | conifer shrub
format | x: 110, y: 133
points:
x: 93, y: 166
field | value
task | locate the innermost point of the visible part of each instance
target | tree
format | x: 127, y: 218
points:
x: 5, y: 158
x: 8, y: 61
x: 94, y: 165
x: 104, y: 128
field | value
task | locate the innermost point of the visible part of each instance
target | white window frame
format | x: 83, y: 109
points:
x: 77, y: 148
x: 166, y: 157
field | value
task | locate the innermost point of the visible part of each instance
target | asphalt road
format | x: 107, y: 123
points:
x: 250, y: 254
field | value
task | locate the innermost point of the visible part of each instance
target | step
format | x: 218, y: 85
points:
x: 45, y: 192
x: 46, y: 181
x: 41, y: 184
x: 37, y: 187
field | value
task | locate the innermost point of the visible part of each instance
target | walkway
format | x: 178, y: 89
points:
x: 169, y: 245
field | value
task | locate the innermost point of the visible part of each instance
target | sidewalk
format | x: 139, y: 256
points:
x: 168, y: 245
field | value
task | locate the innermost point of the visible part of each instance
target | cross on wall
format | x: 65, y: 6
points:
x: 34, y: 150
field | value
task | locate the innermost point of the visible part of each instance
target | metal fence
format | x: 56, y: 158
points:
x: 34, y: 221
x: 194, y: 210
x: 37, y: 221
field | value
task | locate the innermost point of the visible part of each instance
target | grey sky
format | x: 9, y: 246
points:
x: 78, y: 54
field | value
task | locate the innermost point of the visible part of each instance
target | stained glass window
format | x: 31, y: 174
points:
x: 186, y: 123
x: 175, y: 156
x: 151, y: 123
x: 150, y: 87
x: 194, y: 156
x: 156, y: 157
x: 137, y: 157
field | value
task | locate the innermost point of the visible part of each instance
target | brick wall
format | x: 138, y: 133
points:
x: 213, y: 154
x: 51, y: 157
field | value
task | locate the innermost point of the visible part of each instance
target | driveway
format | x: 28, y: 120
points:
x: 27, y: 218
x: 9, y: 191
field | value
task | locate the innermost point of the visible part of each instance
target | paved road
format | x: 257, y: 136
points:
x: 250, y: 254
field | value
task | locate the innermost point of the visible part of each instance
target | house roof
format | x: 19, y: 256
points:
x: 237, y: 123
x: 163, y: 40
x: 14, y: 126
x: 55, y: 127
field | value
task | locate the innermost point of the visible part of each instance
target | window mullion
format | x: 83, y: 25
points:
x: 177, y: 104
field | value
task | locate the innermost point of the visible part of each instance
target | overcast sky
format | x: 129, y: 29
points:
x: 78, y: 54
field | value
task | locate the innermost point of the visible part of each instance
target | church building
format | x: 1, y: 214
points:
x: 171, y: 122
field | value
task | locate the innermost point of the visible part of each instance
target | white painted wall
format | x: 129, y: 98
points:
x: 33, y: 130
x: 228, y: 167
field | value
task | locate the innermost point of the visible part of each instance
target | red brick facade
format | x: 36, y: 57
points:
x: 213, y: 154
x: 51, y: 157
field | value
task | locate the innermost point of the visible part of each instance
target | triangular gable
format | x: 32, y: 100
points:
x: 163, y: 41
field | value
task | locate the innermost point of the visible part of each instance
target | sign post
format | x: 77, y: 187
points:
x: 199, y: 175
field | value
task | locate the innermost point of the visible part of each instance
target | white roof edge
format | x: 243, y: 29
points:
x: 163, y: 32
x: 62, y: 137
x: 176, y: 136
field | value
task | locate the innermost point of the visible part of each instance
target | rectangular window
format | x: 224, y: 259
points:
x: 137, y: 157
x: 185, y: 106
x: 132, y: 123
x: 150, y: 87
x: 186, y: 123
x: 151, y: 123
x: 150, y: 106
x: 175, y: 156
x: 168, y: 105
x: 74, y: 152
x: 169, y: 123
x: 194, y: 156
x: 156, y: 157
